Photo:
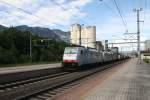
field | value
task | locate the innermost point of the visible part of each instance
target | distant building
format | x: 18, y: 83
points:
x: 147, y: 45
x: 105, y: 44
x: 88, y: 35
x: 114, y: 49
x: 145, y: 55
x: 75, y: 33
x: 99, y: 46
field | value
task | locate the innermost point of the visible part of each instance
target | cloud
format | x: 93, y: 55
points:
x: 41, y: 12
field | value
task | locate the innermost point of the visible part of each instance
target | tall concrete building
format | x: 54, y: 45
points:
x: 88, y: 35
x: 75, y: 33
x: 147, y: 45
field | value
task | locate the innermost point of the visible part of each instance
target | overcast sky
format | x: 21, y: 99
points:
x: 62, y: 13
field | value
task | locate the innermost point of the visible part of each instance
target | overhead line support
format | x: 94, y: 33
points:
x: 138, y: 31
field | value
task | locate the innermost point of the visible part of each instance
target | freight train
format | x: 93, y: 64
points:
x: 76, y: 57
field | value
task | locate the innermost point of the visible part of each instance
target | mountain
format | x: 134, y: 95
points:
x: 56, y: 34
x: 42, y: 32
x: 2, y: 28
x: 63, y: 35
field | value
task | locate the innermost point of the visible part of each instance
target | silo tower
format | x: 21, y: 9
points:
x: 75, y: 34
x: 91, y: 36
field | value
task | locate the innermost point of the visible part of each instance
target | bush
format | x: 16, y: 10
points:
x: 147, y: 60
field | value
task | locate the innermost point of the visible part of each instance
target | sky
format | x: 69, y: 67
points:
x: 63, y: 13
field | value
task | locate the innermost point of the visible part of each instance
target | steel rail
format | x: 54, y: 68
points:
x: 22, y: 82
x: 26, y: 90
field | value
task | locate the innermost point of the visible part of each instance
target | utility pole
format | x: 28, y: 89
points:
x: 80, y: 35
x: 30, y: 46
x: 138, y: 31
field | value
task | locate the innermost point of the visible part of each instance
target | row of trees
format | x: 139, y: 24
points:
x: 15, y: 48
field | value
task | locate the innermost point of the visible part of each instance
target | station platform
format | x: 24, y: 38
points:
x: 11, y: 74
x: 131, y: 82
x: 126, y: 81
x: 6, y: 70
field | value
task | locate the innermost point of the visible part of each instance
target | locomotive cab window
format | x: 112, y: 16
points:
x: 70, y: 50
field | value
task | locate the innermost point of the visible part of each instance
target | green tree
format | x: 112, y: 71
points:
x: 15, y: 48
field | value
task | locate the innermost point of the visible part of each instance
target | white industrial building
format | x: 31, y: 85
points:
x: 147, y: 45
x: 87, y: 33
x: 146, y: 53
x: 75, y: 33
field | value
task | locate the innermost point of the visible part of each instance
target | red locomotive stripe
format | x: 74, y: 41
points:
x: 70, y: 61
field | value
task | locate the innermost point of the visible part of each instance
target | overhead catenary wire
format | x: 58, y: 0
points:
x: 29, y: 13
x: 120, y: 14
x: 145, y: 6
x: 119, y: 11
x: 66, y: 10
x: 110, y: 8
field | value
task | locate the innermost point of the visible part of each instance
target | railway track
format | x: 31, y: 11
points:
x: 23, y: 82
x: 43, y: 85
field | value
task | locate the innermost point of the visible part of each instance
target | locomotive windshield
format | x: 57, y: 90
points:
x: 70, y: 50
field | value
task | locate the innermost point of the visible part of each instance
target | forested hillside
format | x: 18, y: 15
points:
x: 15, y: 48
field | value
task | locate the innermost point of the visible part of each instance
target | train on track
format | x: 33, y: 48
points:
x: 77, y: 57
